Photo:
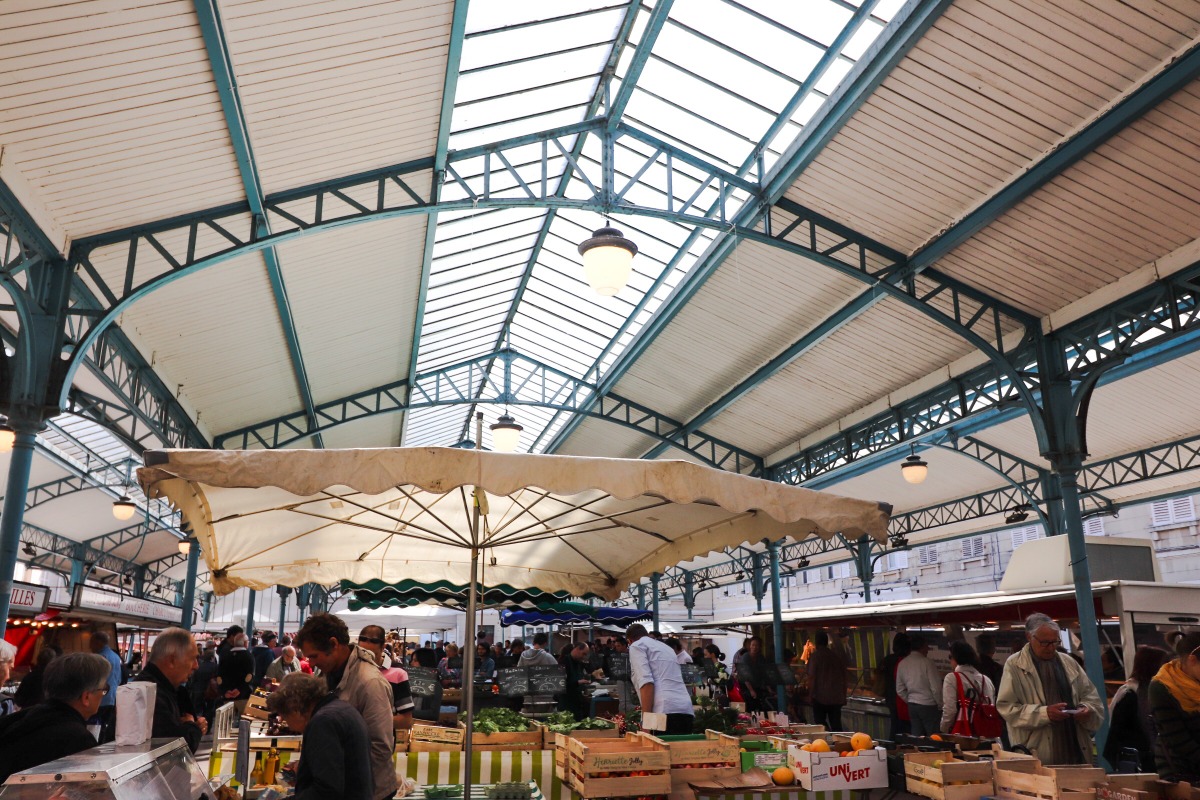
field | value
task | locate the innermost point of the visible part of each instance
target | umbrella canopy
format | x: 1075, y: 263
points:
x: 377, y: 594
x: 560, y: 613
x: 555, y: 523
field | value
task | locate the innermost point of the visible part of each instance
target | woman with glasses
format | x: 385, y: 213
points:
x: 74, y: 685
x: 1175, y: 707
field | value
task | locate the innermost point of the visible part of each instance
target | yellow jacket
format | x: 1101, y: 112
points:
x: 1023, y: 705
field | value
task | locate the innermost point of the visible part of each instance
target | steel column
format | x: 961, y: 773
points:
x: 13, y: 515
x: 777, y: 618
x: 654, y: 600
x: 284, y: 591
x: 250, y: 616
x: 189, y: 586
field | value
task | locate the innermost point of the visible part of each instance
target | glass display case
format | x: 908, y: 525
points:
x: 160, y: 769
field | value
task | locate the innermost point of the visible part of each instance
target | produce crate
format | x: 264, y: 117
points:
x: 532, y: 739
x: 1027, y: 779
x: 940, y: 776
x: 402, y: 740
x: 830, y: 772
x: 1130, y: 787
x: 701, y: 757
x: 432, y: 738
x: 256, y: 706
x: 558, y: 742
x: 631, y: 767
x: 788, y: 732
x: 995, y: 753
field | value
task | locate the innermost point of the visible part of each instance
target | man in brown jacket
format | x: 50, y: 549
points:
x: 827, y: 683
x: 353, y: 676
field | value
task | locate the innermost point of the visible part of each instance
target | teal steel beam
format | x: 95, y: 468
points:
x: 891, y: 45
x: 458, y: 29
x: 224, y: 75
x: 651, y: 30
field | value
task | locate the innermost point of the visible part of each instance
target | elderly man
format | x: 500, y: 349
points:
x: 173, y: 658
x: 1047, y: 700
x: 286, y: 664
x: 8, y: 654
x: 352, y: 675
x: 74, y: 685
x: 371, y: 638
x: 658, y: 680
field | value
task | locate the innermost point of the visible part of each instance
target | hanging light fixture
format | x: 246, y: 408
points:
x: 7, y: 436
x: 185, y: 547
x: 506, y: 434
x: 1017, y: 514
x: 28, y: 549
x: 607, y: 260
x: 124, y: 508
x: 914, y: 469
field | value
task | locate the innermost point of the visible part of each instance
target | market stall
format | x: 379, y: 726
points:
x: 583, y: 526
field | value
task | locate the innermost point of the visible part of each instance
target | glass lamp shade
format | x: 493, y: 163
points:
x: 506, y: 434
x: 607, y: 261
x: 124, y: 508
x: 185, y: 547
x: 7, y: 437
x: 914, y: 469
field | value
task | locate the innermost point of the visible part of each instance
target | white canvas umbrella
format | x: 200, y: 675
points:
x: 556, y: 523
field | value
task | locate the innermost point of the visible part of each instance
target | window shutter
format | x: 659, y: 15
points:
x: 1093, y: 526
x: 898, y: 560
x: 972, y: 548
x: 1161, y: 512
x: 1027, y: 534
x: 927, y: 554
x: 1182, y: 509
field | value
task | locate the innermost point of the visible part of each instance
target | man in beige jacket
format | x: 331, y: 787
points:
x: 354, y: 677
x: 1046, y: 699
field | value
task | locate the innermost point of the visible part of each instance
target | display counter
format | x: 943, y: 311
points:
x: 867, y: 714
x: 160, y: 769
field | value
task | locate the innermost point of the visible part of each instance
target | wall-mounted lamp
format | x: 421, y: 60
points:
x: 1018, y: 514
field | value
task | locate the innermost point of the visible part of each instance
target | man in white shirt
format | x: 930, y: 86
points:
x: 919, y: 684
x: 681, y: 655
x: 659, y: 681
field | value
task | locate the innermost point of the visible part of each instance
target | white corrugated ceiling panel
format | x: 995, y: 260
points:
x: 382, y: 430
x: 758, y: 303
x: 218, y: 334
x: 888, y: 347
x: 951, y: 475
x: 331, y: 89
x: 354, y: 294
x: 77, y: 516
x: 990, y: 87
x: 109, y: 111
x: 605, y: 439
x: 1130, y: 202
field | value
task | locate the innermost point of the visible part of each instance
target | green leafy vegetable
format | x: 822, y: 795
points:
x: 500, y: 720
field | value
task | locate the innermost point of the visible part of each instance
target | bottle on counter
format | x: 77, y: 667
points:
x: 271, y: 766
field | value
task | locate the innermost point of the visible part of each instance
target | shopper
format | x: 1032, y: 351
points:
x: 285, y: 665
x: 172, y: 659
x: 1046, y: 699
x: 74, y: 686
x: 681, y: 655
x: 919, y: 684
x: 235, y: 673
x: 450, y: 668
x: 335, y: 754
x: 1175, y: 708
x: 30, y: 692
x: 985, y: 646
x: 975, y: 686
x: 99, y: 643
x: 658, y: 680
x: 8, y: 654
x: 263, y: 655
x: 1130, y: 725
x: 897, y: 708
x: 352, y: 675
x: 370, y: 639
x: 827, y: 683
x: 538, y: 655
x: 754, y: 678
x: 485, y: 665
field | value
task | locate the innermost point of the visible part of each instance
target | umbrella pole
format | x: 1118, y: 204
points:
x: 468, y: 687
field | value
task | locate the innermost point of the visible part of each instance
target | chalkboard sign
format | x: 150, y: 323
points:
x: 618, y: 666
x: 547, y: 680
x: 691, y: 673
x: 514, y: 681
x: 423, y: 682
x: 710, y: 669
x: 786, y: 676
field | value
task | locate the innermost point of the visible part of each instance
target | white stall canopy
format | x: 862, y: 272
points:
x: 558, y: 523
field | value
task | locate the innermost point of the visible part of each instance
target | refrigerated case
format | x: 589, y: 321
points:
x: 160, y: 769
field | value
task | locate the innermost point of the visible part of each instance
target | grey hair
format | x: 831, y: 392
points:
x: 1034, y: 622
x: 67, y: 677
x: 8, y: 652
x: 172, y: 642
x: 298, y: 693
x: 287, y: 648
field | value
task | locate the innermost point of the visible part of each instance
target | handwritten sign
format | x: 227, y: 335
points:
x: 618, y: 666
x: 691, y: 673
x: 547, y: 680
x: 423, y: 682
x: 514, y: 681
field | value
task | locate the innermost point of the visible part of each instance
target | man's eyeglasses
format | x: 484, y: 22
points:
x: 1048, y: 642
x: 370, y: 639
x: 103, y: 690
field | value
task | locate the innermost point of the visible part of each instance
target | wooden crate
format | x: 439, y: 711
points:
x: 432, y: 738
x: 1130, y: 787
x: 402, y: 740
x: 532, y: 739
x: 951, y: 779
x: 256, y: 706
x: 558, y: 742
x: 1027, y: 779
x: 601, y: 767
x: 717, y: 755
x: 995, y: 753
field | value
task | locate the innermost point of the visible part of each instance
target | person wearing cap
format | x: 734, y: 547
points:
x: 371, y: 638
x: 658, y: 680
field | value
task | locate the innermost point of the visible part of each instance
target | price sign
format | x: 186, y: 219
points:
x: 514, y: 681
x: 691, y: 673
x: 618, y: 666
x: 547, y: 680
x: 710, y: 669
x: 423, y: 682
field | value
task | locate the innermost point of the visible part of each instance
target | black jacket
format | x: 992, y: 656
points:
x: 41, y: 733
x: 262, y: 657
x: 1177, y: 750
x: 335, y: 758
x: 167, y: 709
x: 236, y: 671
